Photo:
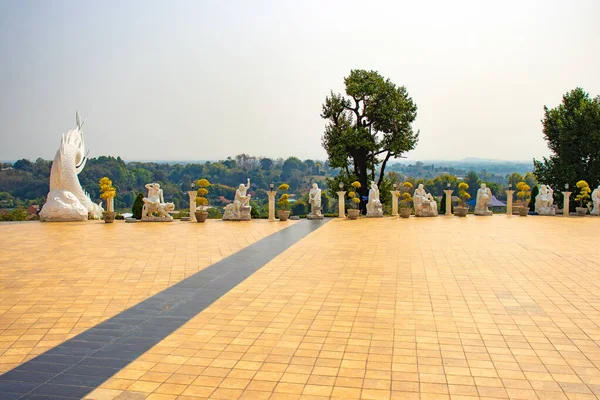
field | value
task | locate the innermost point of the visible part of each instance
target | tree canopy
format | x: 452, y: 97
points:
x: 369, y: 125
x: 572, y: 131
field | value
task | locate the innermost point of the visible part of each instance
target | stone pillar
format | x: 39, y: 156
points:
x: 271, y: 194
x: 566, y: 195
x: 341, y: 204
x: 192, y: 194
x: 509, y: 199
x: 394, y: 202
x: 448, y: 201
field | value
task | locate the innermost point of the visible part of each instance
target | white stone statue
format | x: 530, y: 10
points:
x: 155, y: 203
x: 374, y: 207
x: 596, y: 201
x: 544, y: 201
x: 314, y: 199
x: 67, y: 201
x: 425, y: 204
x: 240, y: 209
x: 484, y: 196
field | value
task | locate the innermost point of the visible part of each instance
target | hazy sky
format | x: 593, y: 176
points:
x: 189, y: 80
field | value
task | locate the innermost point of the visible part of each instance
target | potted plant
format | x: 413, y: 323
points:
x: 523, y: 194
x: 462, y: 209
x: 284, y: 203
x: 406, y: 199
x: 582, y: 197
x: 201, y: 212
x: 108, y: 193
x: 354, y: 212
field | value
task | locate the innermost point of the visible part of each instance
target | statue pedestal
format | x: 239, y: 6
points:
x: 566, y: 195
x: 377, y: 213
x: 315, y: 213
x: 394, y: 202
x: 448, y: 201
x: 192, y: 195
x: 271, y: 194
x: 509, y: 201
x: 341, y: 204
x: 484, y: 213
x: 546, y: 211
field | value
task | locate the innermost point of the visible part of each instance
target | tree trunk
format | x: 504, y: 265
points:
x: 382, y: 172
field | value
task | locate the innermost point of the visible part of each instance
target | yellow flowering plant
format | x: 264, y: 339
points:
x: 201, y: 200
x: 284, y: 199
x: 354, y: 199
x: 524, y: 193
x: 584, y: 192
x: 463, y: 195
x: 404, y: 195
x: 107, y: 192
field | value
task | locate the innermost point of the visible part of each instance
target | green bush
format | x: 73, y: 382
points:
x: 534, y: 192
x: 214, y: 213
x: 138, y: 204
x: 119, y: 216
x: 18, y: 214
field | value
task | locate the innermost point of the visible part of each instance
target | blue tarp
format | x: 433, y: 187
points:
x: 494, y: 203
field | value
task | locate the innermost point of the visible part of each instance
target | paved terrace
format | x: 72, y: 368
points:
x: 443, y: 308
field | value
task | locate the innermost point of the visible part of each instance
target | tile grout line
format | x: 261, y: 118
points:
x: 81, y: 364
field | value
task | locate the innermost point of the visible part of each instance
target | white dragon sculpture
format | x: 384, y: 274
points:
x: 67, y: 201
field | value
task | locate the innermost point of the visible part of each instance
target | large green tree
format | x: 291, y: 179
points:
x: 572, y: 131
x: 368, y: 126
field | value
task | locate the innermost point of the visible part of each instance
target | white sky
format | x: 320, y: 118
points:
x: 190, y: 80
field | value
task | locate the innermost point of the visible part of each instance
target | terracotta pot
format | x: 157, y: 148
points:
x: 353, y: 213
x: 201, y: 216
x: 283, y: 215
x: 405, y: 212
x: 581, y: 211
x: 109, y: 217
x: 523, y: 211
x: 461, y: 211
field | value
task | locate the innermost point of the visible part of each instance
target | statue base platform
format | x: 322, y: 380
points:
x: 375, y: 215
x: 157, y: 219
x: 63, y: 206
x: 595, y: 213
x: 484, y: 213
x: 231, y: 215
x: 425, y: 214
x: 546, y: 211
x: 314, y: 216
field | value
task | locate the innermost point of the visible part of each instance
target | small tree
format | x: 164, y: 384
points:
x: 201, y: 200
x: 107, y: 193
x: 463, y: 195
x: 405, y: 196
x: 138, y: 205
x: 523, y: 192
x: 584, y: 193
x: 353, y: 196
x: 284, y: 200
x: 534, y: 192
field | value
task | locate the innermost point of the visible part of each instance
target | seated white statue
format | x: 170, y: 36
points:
x: 374, y: 206
x: 544, y: 201
x: 596, y: 201
x: 425, y: 204
x: 155, y: 203
x: 240, y: 209
x: 314, y: 198
x: 484, y: 196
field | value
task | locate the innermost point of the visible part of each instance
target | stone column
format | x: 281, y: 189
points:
x: 271, y: 194
x: 192, y: 194
x: 394, y: 202
x: 509, y: 199
x: 341, y: 204
x: 566, y: 195
x: 448, y: 201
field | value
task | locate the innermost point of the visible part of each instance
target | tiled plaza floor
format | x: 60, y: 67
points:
x: 59, y: 279
x: 441, y: 308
